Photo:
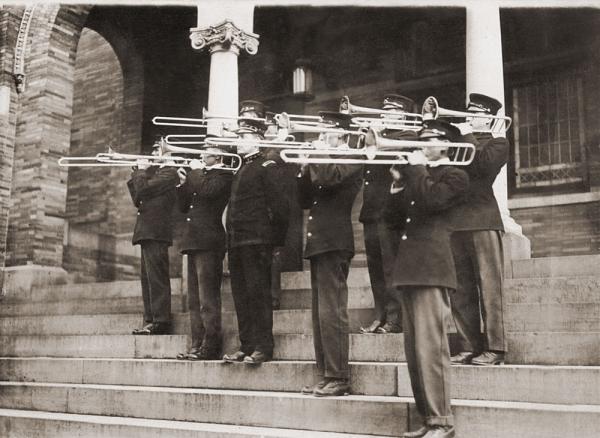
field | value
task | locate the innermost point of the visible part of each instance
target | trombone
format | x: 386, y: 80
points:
x: 197, y: 139
x: 285, y: 121
x: 388, y: 119
x: 457, y: 154
x: 432, y: 110
x: 279, y: 144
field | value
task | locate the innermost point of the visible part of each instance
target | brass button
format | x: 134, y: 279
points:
x: 404, y: 237
x: 412, y: 202
x: 191, y: 206
x: 310, y: 218
x: 368, y: 171
x: 366, y: 183
x: 315, y: 203
x: 408, y: 220
x: 188, y: 219
x: 139, y: 213
x: 309, y: 234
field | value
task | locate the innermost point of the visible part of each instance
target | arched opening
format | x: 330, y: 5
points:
x: 91, y: 240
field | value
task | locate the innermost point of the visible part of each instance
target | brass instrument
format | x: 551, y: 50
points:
x: 381, y: 151
x: 118, y: 159
x: 266, y: 120
x: 234, y: 142
x: 197, y: 139
x: 285, y: 121
x: 432, y: 110
x: 388, y: 119
x: 180, y: 121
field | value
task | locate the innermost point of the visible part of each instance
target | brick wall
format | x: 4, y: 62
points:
x: 36, y: 223
x: 561, y: 230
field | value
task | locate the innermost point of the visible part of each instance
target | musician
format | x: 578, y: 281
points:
x: 152, y: 189
x: 286, y: 175
x: 202, y: 195
x: 329, y: 190
x: 377, y: 180
x: 256, y: 222
x: 424, y: 273
x: 477, y: 244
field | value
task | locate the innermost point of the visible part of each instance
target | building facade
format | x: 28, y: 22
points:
x: 78, y: 79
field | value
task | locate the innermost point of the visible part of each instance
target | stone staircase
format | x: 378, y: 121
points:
x: 69, y: 367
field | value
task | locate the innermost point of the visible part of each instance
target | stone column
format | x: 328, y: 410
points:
x: 224, y: 29
x: 485, y: 75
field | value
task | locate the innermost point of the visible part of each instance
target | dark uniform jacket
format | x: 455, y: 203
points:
x: 424, y: 253
x: 478, y: 209
x: 202, y: 199
x: 377, y: 181
x: 258, y: 210
x: 153, y: 193
x: 329, y: 191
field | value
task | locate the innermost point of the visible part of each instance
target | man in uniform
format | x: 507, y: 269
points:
x: 425, y: 273
x: 256, y: 222
x: 152, y: 189
x: 377, y: 180
x: 477, y: 245
x: 202, y: 195
x: 329, y: 190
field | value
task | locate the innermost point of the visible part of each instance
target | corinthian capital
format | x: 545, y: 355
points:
x: 224, y: 36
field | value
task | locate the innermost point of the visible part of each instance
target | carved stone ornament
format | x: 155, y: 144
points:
x: 21, y: 49
x: 225, y: 35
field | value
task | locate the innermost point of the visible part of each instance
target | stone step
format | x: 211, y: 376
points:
x: 20, y: 423
x: 567, y: 266
x: 563, y: 317
x: 84, y: 306
x: 284, y: 376
x: 553, y: 290
x: 554, y: 348
x: 363, y: 348
x: 284, y: 321
x: 387, y: 415
x: 88, y: 291
x: 568, y: 385
x: 519, y: 383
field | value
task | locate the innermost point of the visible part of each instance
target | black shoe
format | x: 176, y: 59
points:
x: 488, y: 358
x: 160, y: 328
x: 388, y: 328
x: 440, y: 432
x: 204, y: 353
x: 184, y: 356
x: 257, y: 358
x: 419, y: 433
x: 238, y: 356
x: 310, y: 389
x: 146, y: 330
x: 462, y: 358
x: 334, y: 388
x: 372, y: 328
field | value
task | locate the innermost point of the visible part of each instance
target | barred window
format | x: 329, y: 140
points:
x: 549, y: 132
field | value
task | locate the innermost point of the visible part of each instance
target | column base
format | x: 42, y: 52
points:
x: 19, y: 281
x: 516, y: 246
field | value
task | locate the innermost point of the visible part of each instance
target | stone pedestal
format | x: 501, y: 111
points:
x: 485, y: 75
x: 20, y: 281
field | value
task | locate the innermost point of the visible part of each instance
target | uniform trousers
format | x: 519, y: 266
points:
x: 478, y: 258
x: 389, y: 239
x: 156, y: 285
x: 250, y: 269
x: 276, y: 267
x: 328, y: 277
x: 425, y: 311
x: 205, y: 269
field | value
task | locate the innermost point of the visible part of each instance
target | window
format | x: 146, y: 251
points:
x: 549, y: 132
